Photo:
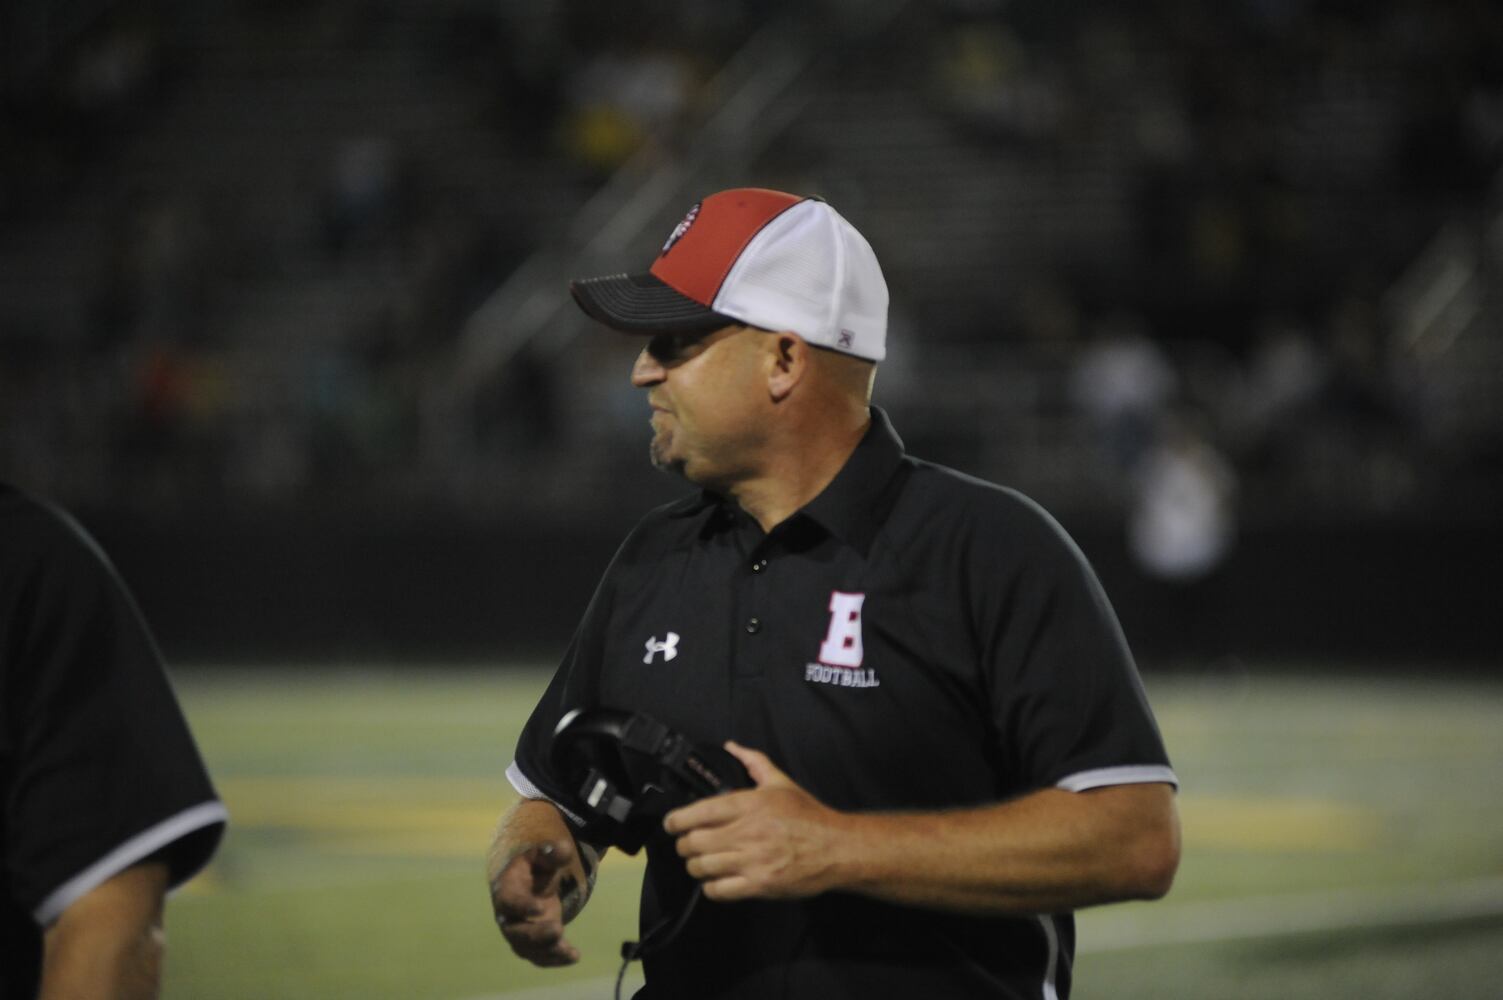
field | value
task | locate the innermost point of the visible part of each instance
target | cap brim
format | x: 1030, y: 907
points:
x: 641, y: 303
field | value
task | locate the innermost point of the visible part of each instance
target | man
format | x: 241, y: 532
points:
x: 950, y: 746
x: 104, y: 801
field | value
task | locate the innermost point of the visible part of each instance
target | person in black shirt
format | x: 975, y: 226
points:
x: 104, y: 800
x: 950, y: 745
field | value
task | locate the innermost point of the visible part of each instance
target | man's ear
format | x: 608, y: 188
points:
x: 788, y: 364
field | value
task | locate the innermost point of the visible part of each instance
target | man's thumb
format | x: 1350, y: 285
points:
x: 761, y: 768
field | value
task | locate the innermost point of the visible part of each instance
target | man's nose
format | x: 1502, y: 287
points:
x: 647, y: 371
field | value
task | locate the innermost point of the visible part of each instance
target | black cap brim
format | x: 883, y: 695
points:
x: 641, y: 303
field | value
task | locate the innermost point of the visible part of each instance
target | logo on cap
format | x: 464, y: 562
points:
x: 680, y: 229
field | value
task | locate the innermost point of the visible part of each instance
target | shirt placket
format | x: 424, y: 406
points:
x: 747, y: 639
x: 752, y: 606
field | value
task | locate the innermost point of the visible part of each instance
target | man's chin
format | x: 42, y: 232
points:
x: 673, y: 467
x: 664, y: 462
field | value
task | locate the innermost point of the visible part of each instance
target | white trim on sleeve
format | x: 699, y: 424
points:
x: 141, y: 845
x: 528, y: 790
x: 1131, y: 774
x: 1051, y: 963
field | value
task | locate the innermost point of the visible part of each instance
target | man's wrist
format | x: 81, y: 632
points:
x: 573, y: 894
x: 853, y: 865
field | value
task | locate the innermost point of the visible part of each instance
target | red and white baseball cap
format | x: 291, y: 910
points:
x: 769, y: 259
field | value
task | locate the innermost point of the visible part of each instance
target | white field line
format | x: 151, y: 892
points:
x: 1157, y: 924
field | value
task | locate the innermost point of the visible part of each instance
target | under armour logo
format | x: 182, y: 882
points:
x: 845, y: 339
x: 668, y: 647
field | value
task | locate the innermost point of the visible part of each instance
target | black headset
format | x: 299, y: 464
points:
x: 630, y: 770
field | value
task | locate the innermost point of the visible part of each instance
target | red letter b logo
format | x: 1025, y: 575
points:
x: 842, y: 645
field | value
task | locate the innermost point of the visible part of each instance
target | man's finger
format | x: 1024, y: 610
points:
x: 539, y: 941
x: 728, y: 889
x: 692, y: 843
x: 758, y: 765
x: 715, y: 810
x: 708, y: 867
x: 526, y: 888
x: 536, y: 934
x: 548, y: 860
x: 556, y: 957
x: 509, y: 913
x: 547, y: 956
x: 512, y: 897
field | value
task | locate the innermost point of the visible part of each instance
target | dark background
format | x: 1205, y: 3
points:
x: 283, y: 313
x: 1354, y: 596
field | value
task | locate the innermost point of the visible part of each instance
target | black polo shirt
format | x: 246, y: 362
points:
x: 97, y: 767
x: 913, y: 639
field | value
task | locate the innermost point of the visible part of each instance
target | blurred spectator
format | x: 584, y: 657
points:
x: 985, y: 78
x: 367, y: 194
x: 1182, y: 522
x: 1122, y: 380
x: 1283, y: 379
x: 1181, y: 528
x: 621, y: 101
x: 154, y: 279
x: 1196, y: 167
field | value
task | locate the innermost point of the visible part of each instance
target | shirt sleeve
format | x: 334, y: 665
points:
x: 574, y: 685
x: 103, y: 769
x: 1067, y: 704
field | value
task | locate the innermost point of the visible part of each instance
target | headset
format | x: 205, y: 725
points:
x: 629, y: 771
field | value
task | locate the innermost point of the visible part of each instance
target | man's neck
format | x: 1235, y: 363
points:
x: 799, y: 470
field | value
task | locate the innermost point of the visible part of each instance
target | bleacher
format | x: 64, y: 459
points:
x: 316, y: 254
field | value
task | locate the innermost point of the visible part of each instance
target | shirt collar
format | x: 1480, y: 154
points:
x: 849, y: 507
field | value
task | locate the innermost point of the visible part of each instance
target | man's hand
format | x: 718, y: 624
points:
x: 773, y: 841
x: 527, y: 896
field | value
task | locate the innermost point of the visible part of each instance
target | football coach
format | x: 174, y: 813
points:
x: 950, y: 746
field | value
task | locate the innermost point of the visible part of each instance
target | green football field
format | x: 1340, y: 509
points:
x: 1343, y: 838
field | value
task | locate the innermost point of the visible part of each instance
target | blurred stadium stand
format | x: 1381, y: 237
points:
x: 283, y: 308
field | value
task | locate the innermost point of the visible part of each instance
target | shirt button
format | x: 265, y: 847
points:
x: 754, y: 625
x: 759, y: 565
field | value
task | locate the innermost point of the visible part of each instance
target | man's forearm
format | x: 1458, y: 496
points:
x: 108, y: 944
x: 1047, y: 852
